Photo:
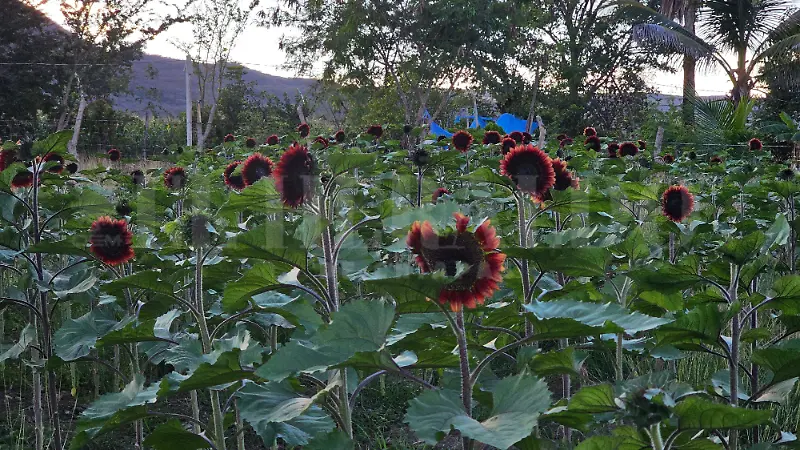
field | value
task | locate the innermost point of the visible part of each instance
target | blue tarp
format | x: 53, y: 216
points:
x: 439, y: 131
x: 511, y: 123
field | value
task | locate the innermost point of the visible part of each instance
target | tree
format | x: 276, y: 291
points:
x: 415, y: 47
x: 753, y: 30
x: 687, y: 11
x: 216, y: 25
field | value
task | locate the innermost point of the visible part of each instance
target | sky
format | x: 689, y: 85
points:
x: 257, y: 49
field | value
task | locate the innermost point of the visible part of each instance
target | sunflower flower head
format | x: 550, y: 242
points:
x: 438, y: 193
x: 228, y: 138
x: 256, y: 167
x: 589, y: 132
x: 628, y: 149
x: 250, y: 143
x: 321, y: 141
x: 234, y: 181
x: 517, y: 136
x: 294, y: 176
x: 755, y: 144
x: 420, y: 157
x: 111, y: 241
x: 530, y: 169
x: 677, y: 203
x: 593, y: 143
x: 7, y: 157
x: 58, y: 167
x: 475, y: 250
x: 137, y: 177
x: 72, y: 168
x: 273, y: 139
x: 375, y: 131
x: 668, y: 158
x: 114, y: 155
x: 462, y: 140
x: 491, y: 137
x: 303, y: 129
x: 507, y: 145
x: 339, y: 136
x: 175, y: 178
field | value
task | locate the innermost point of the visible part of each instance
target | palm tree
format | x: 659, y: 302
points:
x: 686, y: 10
x: 755, y: 31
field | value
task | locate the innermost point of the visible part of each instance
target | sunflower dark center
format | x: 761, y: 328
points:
x: 452, y: 249
x: 110, y: 240
x: 526, y: 172
x: 677, y: 204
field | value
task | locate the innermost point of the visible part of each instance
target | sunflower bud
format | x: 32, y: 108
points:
x: 197, y: 230
x: 420, y: 157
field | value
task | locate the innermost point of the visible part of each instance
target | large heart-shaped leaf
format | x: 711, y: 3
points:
x: 696, y: 413
x: 605, y: 317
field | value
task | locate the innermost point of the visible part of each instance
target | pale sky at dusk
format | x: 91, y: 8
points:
x: 257, y: 48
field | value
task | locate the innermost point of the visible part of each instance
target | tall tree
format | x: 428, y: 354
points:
x: 685, y: 10
x: 752, y: 30
x: 415, y: 46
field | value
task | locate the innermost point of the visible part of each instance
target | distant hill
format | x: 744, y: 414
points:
x: 169, y: 81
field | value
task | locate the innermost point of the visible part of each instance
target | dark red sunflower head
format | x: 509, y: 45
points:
x: 438, y: 193
x: 114, y: 155
x: 321, y: 141
x: 517, y: 136
x: 508, y: 144
x: 111, y: 241
x: 565, y: 142
x: 256, y: 167
x: 229, y: 138
x: 22, y: 179
x: 561, y: 137
x: 526, y: 138
x: 755, y: 144
x: 786, y: 174
x: 7, y: 157
x: 613, y: 149
x: 476, y: 250
x: 137, y: 177
x: 628, y: 149
x: 668, y: 158
x: 375, y: 131
x: 564, y: 178
x: 462, y: 141
x: 715, y: 160
x: 642, y: 144
x: 294, y: 176
x: 235, y: 182
x: 589, y: 132
x: 175, y: 178
x: 54, y: 158
x: 529, y: 168
x: 593, y: 143
x: 677, y: 203
x: 303, y: 129
x: 72, y: 168
x: 273, y: 140
x: 339, y: 136
x: 491, y: 137
x: 250, y: 143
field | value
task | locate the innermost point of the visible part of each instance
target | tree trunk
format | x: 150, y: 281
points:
x: 689, y: 65
x: 188, y: 71
x: 73, y: 143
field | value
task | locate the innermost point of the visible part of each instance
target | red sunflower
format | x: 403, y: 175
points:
x: 58, y: 159
x: 561, y: 137
x: 565, y: 142
x: 111, y: 241
x: 339, y: 136
x: 375, y: 131
x: 114, y: 155
x: 565, y: 179
x: 530, y: 169
x: 250, y: 143
x: 755, y: 144
x: 22, y: 179
x: 589, y: 132
x: 517, y: 136
x: 491, y: 137
x: 677, y: 203
x: 228, y: 138
x: 7, y: 157
x: 273, y: 140
x: 508, y: 144
x: 303, y: 129
x: 668, y: 159
x: 526, y: 138
x: 593, y: 143
x: 256, y: 167
x: 438, y: 193
x: 477, y: 250
x: 715, y: 160
x: 613, y: 150
x: 235, y: 182
x: 628, y: 149
x: 642, y: 144
x: 322, y: 141
x: 462, y: 141
x: 294, y: 176
x: 175, y: 178
x: 72, y: 168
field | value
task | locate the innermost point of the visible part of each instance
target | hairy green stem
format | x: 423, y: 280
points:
x: 466, y: 384
x: 656, y: 440
x: 734, y: 354
x: 523, y: 263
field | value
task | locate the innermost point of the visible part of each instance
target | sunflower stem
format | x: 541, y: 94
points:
x: 419, y: 187
x: 672, y: 247
x: 734, y: 352
x: 523, y: 263
x: 466, y: 384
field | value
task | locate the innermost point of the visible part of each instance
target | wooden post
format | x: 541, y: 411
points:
x: 73, y: 143
x: 542, y: 131
x: 659, y: 142
x: 532, y: 109
x: 475, y: 108
x: 187, y: 71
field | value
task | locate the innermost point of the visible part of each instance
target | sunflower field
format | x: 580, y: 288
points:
x: 485, y: 291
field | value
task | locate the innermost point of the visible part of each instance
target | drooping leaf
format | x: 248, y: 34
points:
x: 610, y: 317
x: 256, y: 280
x: 226, y: 369
x: 575, y: 262
x: 593, y: 399
x: 741, y: 250
x: 695, y: 413
x: 359, y: 326
x: 517, y: 403
x: 341, y: 161
x: 26, y: 337
x: 268, y: 241
x: 78, y: 336
x: 782, y: 359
